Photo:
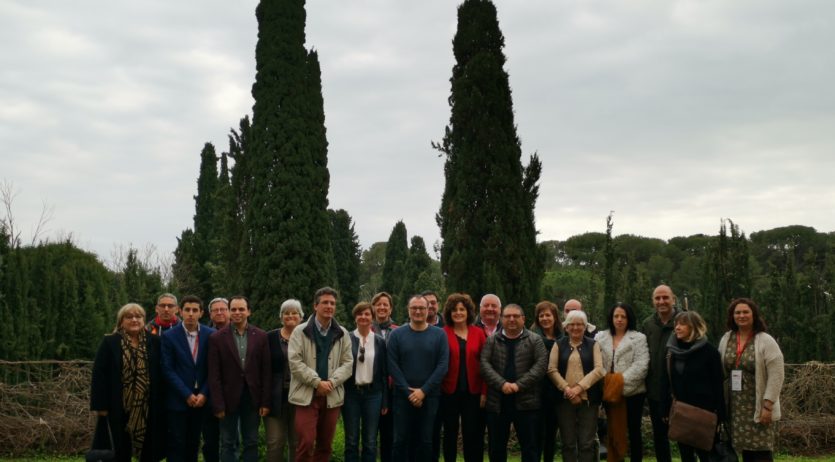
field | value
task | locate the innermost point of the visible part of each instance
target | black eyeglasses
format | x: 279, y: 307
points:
x: 361, y: 357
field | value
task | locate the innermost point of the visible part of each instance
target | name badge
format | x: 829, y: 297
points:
x: 736, y: 380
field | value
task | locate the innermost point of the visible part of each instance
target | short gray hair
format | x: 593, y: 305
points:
x: 291, y: 304
x: 167, y: 295
x: 576, y: 315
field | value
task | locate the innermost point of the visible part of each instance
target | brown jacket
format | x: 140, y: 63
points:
x: 226, y: 377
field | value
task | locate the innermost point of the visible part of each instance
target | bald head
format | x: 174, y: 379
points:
x: 572, y: 305
x: 663, y: 299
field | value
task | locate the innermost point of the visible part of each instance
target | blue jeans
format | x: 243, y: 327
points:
x: 413, y: 428
x: 361, y: 415
x: 247, y: 418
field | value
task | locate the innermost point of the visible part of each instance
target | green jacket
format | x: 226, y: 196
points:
x: 657, y: 335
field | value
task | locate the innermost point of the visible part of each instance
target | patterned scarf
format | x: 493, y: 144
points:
x: 136, y: 389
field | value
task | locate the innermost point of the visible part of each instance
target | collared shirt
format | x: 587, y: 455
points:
x: 365, y: 368
x: 240, y: 342
x: 322, y: 329
x: 192, y: 338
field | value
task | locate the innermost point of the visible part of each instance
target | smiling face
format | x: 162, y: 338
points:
x: 219, y: 312
x: 743, y: 316
x: 363, y: 319
x: 489, y: 309
x: 382, y: 309
x: 290, y: 318
x: 663, y: 300
x: 432, y: 307
x: 459, y: 315
x: 133, y: 321
x: 683, y: 331
x: 238, y: 312
x: 418, y: 308
x: 546, y: 319
x: 325, y: 308
x: 513, y: 320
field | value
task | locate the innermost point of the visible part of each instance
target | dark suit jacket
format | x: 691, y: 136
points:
x: 180, y: 371
x: 106, y: 395
x: 226, y: 377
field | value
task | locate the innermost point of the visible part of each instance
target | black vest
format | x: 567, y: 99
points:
x: 586, y: 351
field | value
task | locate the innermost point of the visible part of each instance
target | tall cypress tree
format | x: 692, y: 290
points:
x: 346, y: 254
x: 487, y: 210
x: 394, y: 268
x: 287, y: 213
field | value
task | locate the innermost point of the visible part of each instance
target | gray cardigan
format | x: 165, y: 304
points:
x: 769, y: 373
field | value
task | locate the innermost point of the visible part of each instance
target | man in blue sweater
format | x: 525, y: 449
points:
x: 418, y: 357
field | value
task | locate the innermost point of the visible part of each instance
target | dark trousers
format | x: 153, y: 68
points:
x: 634, y: 413
x: 211, y: 437
x: 184, y: 429
x: 462, y: 407
x: 689, y: 453
x: 413, y: 429
x: 436, y: 434
x: 659, y: 431
x: 547, y: 431
x: 386, y: 435
x: 244, y: 422
x: 757, y: 456
x: 525, y: 423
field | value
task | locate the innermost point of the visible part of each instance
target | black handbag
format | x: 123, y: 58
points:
x: 723, y: 449
x: 96, y: 454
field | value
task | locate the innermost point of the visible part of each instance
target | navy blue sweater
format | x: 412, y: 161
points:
x: 417, y: 359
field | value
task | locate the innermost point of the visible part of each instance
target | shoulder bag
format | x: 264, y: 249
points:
x: 101, y: 454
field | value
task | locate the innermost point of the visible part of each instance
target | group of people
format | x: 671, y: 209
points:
x: 168, y: 384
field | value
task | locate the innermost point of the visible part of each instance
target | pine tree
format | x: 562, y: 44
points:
x: 394, y: 268
x: 287, y: 213
x: 487, y: 210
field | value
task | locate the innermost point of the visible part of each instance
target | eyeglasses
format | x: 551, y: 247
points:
x: 134, y: 316
x: 418, y: 308
x: 361, y: 357
x: 166, y: 305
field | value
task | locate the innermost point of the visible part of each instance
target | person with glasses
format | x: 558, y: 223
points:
x: 219, y: 313
x: 513, y: 364
x: 320, y: 362
x: 166, y: 318
x: 366, y: 393
x: 418, y: 357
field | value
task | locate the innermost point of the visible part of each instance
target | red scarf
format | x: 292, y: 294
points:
x: 165, y: 325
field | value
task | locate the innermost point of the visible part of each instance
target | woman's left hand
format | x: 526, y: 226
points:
x: 765, y: 416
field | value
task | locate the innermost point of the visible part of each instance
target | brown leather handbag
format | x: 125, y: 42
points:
x: 689, y: 424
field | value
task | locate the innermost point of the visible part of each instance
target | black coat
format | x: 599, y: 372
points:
x: 697, y: 378
x: 106, y: 395
x: 278, y: 367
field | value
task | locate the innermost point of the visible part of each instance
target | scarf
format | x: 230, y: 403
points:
x: 165, y: 324
x: 616, y: 416
x: 135, y: 390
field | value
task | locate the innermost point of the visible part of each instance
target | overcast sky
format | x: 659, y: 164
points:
x: 674, y: 114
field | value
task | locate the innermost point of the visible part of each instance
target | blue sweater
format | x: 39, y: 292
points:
x: 417, y: 359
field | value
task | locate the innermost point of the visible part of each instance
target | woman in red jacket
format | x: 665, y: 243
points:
x: 463, y: 391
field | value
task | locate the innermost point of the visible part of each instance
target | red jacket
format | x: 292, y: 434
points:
x: 475, y: 342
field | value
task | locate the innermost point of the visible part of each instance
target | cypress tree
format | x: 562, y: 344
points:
x: 287, y: 214
x: 394, y: 268
x: 236, y: 241
x: 346, y: 254
x: 417, y: 272
x: 206, y: 220
x: 487, y: 209
x: 609, y: 284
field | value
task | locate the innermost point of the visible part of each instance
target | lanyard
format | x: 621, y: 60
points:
x: 740, y: 347
x: 194, y: 350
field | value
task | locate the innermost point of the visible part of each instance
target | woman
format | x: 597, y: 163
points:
x: 626, y: 359
x: 278, y: 424
x: 753, y: 365
x: 366, y: 393
x: 694, y: 374
x: 546, y: 324
x: 125, y: 388
x: 576, y: 368
x: 463, y: 391
x: 383, y: 325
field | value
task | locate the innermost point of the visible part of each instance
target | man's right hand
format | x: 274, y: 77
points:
x: 220, y: 415
x: 324, y: 387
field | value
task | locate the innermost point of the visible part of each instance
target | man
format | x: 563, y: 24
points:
x: 574, y: 304
x: 219, y: 312
x: 382, y: 326
x: 488, y: 314
x: 432, y: 317
x: 418, y: 357
x: 239, y: 381
x: 166, y: 317
x: 658, y: 327
x: 185, y: 353
x: 513, y: 363
x: 320, y: 359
